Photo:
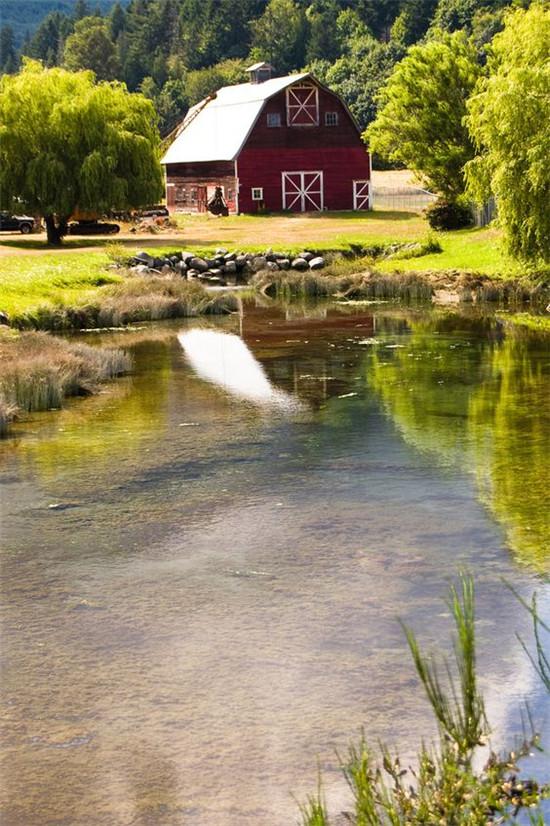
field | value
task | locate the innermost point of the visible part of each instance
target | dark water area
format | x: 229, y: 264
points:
x: 203, y: 566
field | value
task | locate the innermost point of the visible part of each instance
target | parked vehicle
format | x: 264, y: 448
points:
x: 93, y: 228
x: 16, y: 223
x: 158, y: 211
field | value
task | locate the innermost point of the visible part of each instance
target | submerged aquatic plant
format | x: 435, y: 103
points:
x: 444, y: 788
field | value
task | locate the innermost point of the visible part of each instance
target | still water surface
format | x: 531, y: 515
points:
x: 203, y: 566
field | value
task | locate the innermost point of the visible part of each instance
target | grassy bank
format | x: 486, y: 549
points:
x: 132, y: 299
x: 370, y: 284
x: 37, y: 371
x: 44, y: 285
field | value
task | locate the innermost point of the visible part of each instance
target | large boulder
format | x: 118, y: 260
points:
x: 317, y: 263
x: 284, y: 263
x: 197, y: 264
x: 229, y: 267
x: 300, y: 264
x: 258, y: 263
x: 307, y: 256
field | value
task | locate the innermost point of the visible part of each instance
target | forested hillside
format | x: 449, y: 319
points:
x: 178, y: 51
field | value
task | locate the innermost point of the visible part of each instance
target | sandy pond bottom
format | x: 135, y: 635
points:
x: 203, y: 567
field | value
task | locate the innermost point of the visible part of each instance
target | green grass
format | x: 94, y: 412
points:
x: 27, y: 281
x: 475, y: 250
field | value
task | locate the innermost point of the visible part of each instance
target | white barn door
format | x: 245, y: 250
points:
x: 303, y: 191
x: 361, y: 194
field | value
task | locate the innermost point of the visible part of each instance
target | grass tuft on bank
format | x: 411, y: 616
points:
x: 37, y: 371
x: 131, y: 300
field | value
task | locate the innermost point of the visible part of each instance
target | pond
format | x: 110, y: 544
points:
x: 203, y: 567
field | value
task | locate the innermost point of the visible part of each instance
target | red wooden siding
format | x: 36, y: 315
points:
x: 264, y: 167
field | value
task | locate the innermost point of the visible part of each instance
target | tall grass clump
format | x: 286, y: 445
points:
x: 445, y: 787
x: 132, y: 300
x: 367, y: 284
x: 37, y: 371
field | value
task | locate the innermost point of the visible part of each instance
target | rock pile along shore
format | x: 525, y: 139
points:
x: 224, y: 267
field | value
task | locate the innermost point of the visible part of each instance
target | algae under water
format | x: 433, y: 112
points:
x: 200, y: 588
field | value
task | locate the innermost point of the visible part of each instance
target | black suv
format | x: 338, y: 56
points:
x: 16, y: 223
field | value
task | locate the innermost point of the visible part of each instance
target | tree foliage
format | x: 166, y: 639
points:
x: 68, y: 143
x: 90, y: 46
x: 509, y: 118
x: 423, y: 105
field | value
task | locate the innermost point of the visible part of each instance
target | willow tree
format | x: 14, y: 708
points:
x: 509, y: 119
x: 68, y: 143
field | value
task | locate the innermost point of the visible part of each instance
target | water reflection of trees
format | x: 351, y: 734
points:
x: 481, y: 404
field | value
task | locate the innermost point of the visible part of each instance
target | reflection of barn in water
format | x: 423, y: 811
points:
x: 310, y: 352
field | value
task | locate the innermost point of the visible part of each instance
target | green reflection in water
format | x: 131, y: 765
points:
x: 110, y: 426
x: 479, y: 402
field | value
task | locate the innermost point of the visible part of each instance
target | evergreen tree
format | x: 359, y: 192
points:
x: 8, y: 55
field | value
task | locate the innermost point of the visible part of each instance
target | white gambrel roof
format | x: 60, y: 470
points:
x: 217, y: 128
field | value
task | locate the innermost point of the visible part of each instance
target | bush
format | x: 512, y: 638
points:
x: 447, y: 214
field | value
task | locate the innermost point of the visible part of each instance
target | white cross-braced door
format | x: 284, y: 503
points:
x: 303, y: 191
x: 361, y: 194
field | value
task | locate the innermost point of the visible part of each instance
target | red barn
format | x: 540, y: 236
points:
x: 283, y: 143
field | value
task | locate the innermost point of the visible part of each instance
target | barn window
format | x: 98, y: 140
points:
x: 331, y: 118
x: 273, y: 119
x: 257, y: 193
x: 302, y: 105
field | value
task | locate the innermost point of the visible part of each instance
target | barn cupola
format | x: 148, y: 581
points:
x: 260, y: 72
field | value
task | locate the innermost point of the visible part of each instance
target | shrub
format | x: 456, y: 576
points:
x: 448, y: 214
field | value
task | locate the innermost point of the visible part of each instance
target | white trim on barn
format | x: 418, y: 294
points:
x: 361, y: 195
x: 302, y: 99
x: 305, y: 188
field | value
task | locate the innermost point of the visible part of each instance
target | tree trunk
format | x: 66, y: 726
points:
x: 55, y: 231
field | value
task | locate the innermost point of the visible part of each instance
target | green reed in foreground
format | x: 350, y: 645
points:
x: 444, y: 789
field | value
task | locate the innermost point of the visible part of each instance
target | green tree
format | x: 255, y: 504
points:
x: 68, y: 143
x: 91, y: 47
x: 509, y: 119
x: 203, y: 82
x: 8, y: 55
x: 117, y: 20
x: 423, y: 105
x: 279, y: 35
x: 47, y: 42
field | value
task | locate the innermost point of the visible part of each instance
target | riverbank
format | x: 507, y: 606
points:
x: 39, y: 284
x: 38, y: 371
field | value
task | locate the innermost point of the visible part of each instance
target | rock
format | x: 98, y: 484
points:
x: 307, y: 256
x: 300, y: 264
x: 4, y: 318
x: 317, y: 263
x: 284, y: 263
x: 186, y: 256
x: 272, y: 265
x: 258, y: 263
x: 229, y: 267
x: 141, y: 269
x: 142, y: 257
x: 215, y: 272
x: 221, y: 251
x: 241, y: 261
x: 193, y: 273
x: 166, y: 268
x: 197, y: 264
x: 181, y: 267
x: 230, y: 256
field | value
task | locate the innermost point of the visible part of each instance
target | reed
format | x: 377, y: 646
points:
x: 367, y: 284
x: 445, y: 787
x: 132, y: 300
x: 37, y: 371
